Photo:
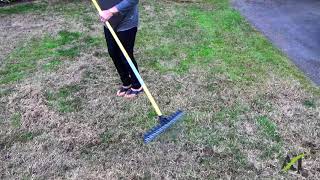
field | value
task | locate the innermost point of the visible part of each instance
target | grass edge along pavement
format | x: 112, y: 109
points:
x: 220, y: 35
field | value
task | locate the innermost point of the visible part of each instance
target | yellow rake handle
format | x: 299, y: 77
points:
x: 134, y: 69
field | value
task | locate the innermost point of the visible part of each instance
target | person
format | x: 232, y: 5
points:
x: 124, y: 18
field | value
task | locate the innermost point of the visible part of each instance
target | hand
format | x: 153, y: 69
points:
x: 107, y: 14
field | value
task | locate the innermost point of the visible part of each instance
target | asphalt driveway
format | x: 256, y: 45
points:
x: 292, y: 25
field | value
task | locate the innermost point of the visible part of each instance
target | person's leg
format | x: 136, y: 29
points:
x: 127, y: 38
x: 116, y: 56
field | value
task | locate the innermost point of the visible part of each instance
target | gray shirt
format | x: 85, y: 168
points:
x: 129, y: 10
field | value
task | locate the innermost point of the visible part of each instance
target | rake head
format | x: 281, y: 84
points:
x: 165, y: 122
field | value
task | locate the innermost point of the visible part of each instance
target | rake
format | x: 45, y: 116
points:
x: 165, y: 122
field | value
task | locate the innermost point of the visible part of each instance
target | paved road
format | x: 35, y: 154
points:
x: 292, y: 25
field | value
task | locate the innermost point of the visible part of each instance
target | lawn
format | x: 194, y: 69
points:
x: 247, y: 106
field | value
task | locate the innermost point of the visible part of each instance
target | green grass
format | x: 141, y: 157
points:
x: 16, y: 120
x: 241, y: 54
x: 24, y: 61
x: 70, y: 52
x: 52, y: 65
x: 213, y: 34
x: 269, y: 128
x: 64, y: 100
x: 18, y: 137
x: 310, y: 103
x: 25, y: 136
x: 218, y: 39
x: 23, y: 8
